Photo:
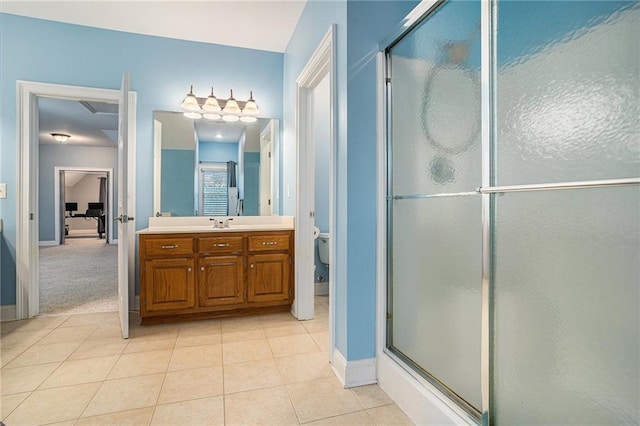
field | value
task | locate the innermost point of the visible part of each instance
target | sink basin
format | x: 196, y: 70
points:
x: 204, y: 224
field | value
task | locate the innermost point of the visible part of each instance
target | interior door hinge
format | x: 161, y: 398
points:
x: 389, y: 316
x: 289, y: 291
x: 269, y: 202
x: 269, y: 154
x: 30, y: 216
x: 290, y: 260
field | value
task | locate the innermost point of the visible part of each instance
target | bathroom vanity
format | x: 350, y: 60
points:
x: 190, y: 269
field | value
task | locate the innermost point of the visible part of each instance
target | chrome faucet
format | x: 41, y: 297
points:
x: 220, y: 223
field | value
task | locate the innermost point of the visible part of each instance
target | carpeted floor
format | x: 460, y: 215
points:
x: 80, y: 276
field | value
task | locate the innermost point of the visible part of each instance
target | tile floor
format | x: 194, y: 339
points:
x: 260, y: 370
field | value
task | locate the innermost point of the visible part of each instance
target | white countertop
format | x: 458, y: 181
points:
x: 164, y: 225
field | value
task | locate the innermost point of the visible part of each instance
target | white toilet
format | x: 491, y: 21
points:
x: 323, y: 253
x: 323, y: 247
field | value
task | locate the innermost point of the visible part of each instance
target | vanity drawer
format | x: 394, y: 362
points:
x: 168, y: 246
x: 220, y: 244
x: 269, y: 242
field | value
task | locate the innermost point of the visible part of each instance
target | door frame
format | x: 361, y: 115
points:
x: 323, y: 62
x: 109, y: 237
x: 27, y: 221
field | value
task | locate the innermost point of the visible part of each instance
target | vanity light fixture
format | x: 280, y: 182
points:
x: 230, y: 118
x: 60, y: 137
x: 212, y: 108
x: 251, y: 108
x: 232, y: 106
x: 190, y: 102
x: 211, y: 104
x: 193, y: 115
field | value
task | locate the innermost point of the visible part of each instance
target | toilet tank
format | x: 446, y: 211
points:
x: 323, y: 247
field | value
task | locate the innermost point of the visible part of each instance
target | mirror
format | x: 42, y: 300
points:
x: 215, y: 168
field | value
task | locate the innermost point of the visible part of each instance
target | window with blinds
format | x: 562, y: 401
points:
x: 214, y: 199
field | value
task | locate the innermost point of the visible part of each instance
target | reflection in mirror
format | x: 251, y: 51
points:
x: 215, y: 168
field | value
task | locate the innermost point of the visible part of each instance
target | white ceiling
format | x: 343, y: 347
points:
x: 256, y: 24
x: 85, y: 127
x: 72, y: 177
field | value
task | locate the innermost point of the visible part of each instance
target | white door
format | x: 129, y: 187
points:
x: 265, y: 179
x: 123, y: 198
x: 62, y: 211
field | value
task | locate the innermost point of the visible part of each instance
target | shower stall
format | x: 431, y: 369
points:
x: 513, y: 208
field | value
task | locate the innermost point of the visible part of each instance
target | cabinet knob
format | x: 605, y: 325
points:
x: 251, y: 266
x: 202, y: 268
x: 269, y: 243
x: 170, y: 246
x: 188, y: 269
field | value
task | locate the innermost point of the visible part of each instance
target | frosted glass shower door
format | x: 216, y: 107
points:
x: 566, y: 274
x: 435, y: 250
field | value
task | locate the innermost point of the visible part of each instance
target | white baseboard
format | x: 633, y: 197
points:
x: 47, y: 243
x: 354, y: 373
x: 423, y: 403
x: 321, y: 289
x: 8, y: 313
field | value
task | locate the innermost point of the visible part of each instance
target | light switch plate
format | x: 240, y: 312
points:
x: 3, y: 190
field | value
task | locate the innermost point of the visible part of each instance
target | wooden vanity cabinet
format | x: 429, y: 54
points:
x: 221, y: 271
x: 269, y: 269
x: 168, y: 264
x: 193, y: 276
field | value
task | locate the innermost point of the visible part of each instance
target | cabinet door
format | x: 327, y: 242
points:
x: 169, y: 284
x: 221, y: 280
x: 269, y: 278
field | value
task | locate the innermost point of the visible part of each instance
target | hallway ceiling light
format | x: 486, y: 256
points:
x: 60, y: 137
x: 212, y: 108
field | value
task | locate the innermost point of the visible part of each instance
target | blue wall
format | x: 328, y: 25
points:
x: 177, y: 191
x: 161, y: 71
x: 369, y: 23
x: 217, y: 152
x: 361, y: 26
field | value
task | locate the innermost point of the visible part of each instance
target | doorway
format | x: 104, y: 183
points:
x: 317, y: 78
x: 28, y: 223
x: 83, y: 246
